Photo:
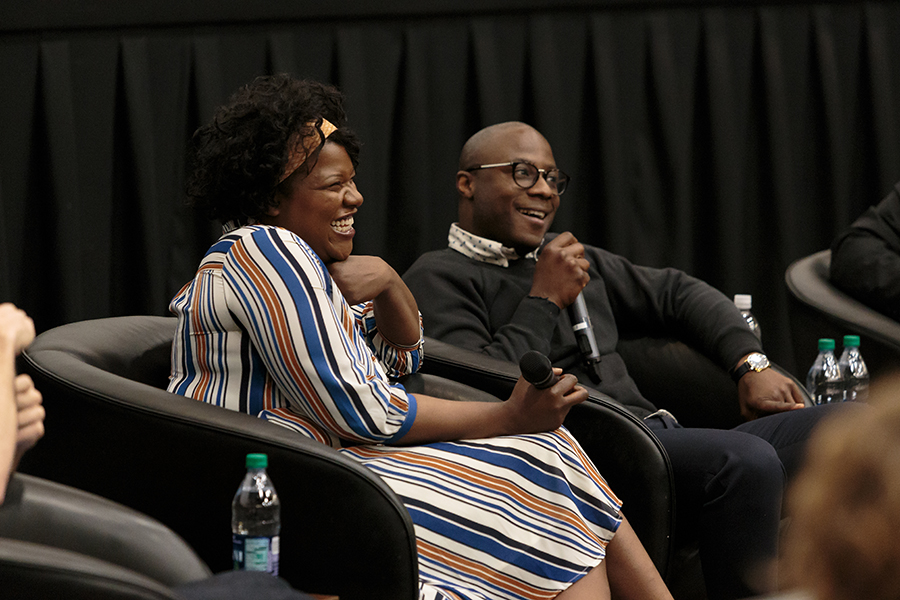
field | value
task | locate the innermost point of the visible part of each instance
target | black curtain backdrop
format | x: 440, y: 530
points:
x: 726, y: 140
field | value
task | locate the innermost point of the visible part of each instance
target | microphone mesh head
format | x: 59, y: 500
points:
x: 536, y: 368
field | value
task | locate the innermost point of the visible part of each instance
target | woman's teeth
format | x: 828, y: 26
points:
x: 342, y: 225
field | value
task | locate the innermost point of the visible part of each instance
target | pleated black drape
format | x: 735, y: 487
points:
x: 726, y: 140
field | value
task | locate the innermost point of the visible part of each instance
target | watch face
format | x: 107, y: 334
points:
x: 758, y: 361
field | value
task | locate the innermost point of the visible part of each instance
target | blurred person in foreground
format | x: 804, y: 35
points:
x: 841, y: 543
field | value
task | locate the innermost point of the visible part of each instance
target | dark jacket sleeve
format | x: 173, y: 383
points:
x: 670, y: 303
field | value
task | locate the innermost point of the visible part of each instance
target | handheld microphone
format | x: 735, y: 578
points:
x: 537, y: 370
x: 584, y: 335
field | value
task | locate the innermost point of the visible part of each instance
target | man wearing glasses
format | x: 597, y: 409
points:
x: 502, y: 286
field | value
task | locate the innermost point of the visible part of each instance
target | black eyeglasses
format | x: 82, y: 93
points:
x: 526, y: 175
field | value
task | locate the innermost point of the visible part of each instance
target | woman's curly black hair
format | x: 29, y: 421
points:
x: 234, y: 163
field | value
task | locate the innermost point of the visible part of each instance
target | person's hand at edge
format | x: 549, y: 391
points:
x: 30, y: 416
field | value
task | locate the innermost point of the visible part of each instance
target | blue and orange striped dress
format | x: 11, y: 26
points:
x: 263, y: 329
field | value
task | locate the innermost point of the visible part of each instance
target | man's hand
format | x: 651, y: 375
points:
x: 561, y: 272
x: 766, y: 392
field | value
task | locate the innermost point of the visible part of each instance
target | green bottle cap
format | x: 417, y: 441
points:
x: 826, y: 344
x: 257, y: 461
x: 851, y: 340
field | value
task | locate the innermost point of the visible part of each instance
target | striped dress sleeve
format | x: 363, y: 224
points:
x: 283, y: 297
x: 397, y: 360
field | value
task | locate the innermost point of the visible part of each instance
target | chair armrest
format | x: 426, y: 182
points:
x: 30, y: 571
x: 48, y: 513
x: 442, y: 387
x: 808, y: 280
x: 817, y: 309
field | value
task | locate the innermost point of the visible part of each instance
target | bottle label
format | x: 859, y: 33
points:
x: 255, y: 553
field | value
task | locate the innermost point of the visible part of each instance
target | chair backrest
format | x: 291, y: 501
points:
x: 113, y: 431
x: 628, y: 455
x: 817, y: 309
x: 674, y: 376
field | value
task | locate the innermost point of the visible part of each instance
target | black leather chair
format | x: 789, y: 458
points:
x: 112, y: 431
x: 59, y: 542
x: 30, y: 571
x: 817, y: 309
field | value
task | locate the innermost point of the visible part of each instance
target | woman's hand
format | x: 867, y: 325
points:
x: 532, y: 410
x: 364, y: 278
x: 21, y: 413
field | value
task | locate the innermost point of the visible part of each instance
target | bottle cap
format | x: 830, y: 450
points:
x: 826, y: 344
x: 257, y: 461
x: 851, y: 340
x: 743, y: 301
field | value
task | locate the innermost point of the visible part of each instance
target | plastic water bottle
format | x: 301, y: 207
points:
x: 256, y: 520
x: 854, y: 371
x: 824, y: 382
x: 744, y: 302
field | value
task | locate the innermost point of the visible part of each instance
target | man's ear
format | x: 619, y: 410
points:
x: 465, y: 184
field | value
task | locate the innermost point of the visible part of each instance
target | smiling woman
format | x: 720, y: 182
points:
x: 319, y: 205
x: 281, y: 321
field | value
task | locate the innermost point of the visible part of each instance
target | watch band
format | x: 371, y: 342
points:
x: 748, y: 365
x: 739, y: 372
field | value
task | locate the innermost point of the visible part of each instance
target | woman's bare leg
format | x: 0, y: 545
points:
x: 631, y: 573
x: 627, y: 573
x: 593, y: 586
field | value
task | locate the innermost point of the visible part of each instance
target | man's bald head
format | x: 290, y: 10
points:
x: 484, y: 145
x: 491, y: 202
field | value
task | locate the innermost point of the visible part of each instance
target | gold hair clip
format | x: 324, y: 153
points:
x: 301, y: 149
